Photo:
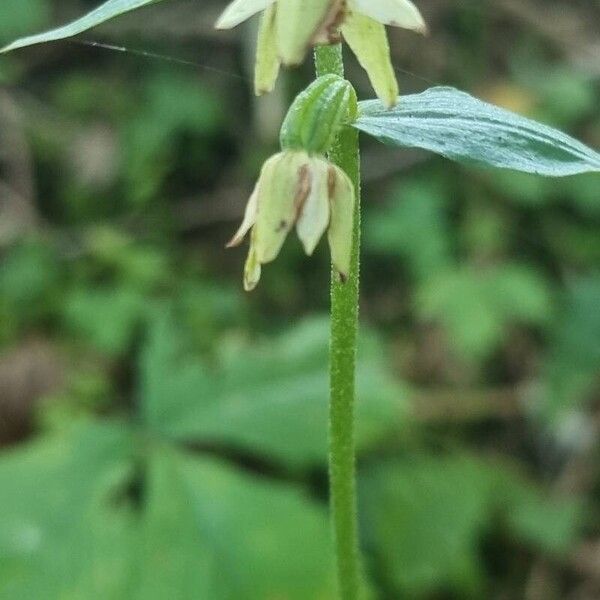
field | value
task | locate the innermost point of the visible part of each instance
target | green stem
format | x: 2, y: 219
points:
x: 344, y: 331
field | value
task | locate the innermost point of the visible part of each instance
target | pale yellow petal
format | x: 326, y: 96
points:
x: 282, y: 188
x: 368, y: 40
x: 314, y: 214
x: 267, y: 56
x: 397, y: 13
x: 252, y: 270
x: 298, y: 21
x: 249, y: 220
x: 341, y: 225
x: 239, y: 11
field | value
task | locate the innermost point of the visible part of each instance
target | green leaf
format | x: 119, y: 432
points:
x: 105, y: 12
x: 571, y: 367
x: 476, y: 306
x: 30, y: 280
x: 151, y: 137
x: 423, y: 519
x: 551, y: 524
x: 215, y: 533
x: 175, y: 558
x: 61, y: 536
x: 69, y: 528
x: 106, y: 317
x: 16, y: 17
x: 270, y: 398
x: 462, y: 128
x: 416, y: 206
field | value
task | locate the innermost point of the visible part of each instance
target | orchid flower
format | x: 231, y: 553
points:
x: 308, y: 192
x: 290, y: 27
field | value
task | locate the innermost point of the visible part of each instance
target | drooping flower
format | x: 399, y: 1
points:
x: 301, y: 190
x: 289, y: 27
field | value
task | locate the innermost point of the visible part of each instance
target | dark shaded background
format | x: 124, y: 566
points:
x: 163, y: 434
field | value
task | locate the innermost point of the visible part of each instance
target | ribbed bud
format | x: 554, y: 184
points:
x: 317, y: 114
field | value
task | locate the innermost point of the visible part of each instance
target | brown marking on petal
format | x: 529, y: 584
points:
x: 331, y: 181
x: 303, y: 189
x: 282, y: 226
x: 329, y: 29
x: 236, y: 240
x: 343, y: 278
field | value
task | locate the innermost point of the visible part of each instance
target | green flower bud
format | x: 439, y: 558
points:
x: 316, y: 115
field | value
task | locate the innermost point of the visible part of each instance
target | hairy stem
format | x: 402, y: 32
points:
x: 344, y: 330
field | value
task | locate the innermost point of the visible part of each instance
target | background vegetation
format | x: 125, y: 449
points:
x: 163, y: 434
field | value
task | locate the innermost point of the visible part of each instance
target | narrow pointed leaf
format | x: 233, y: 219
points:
x: 105, y: 12
x: 462, y: 128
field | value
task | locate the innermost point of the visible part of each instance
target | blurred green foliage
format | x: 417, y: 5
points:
x: 180, y: 450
